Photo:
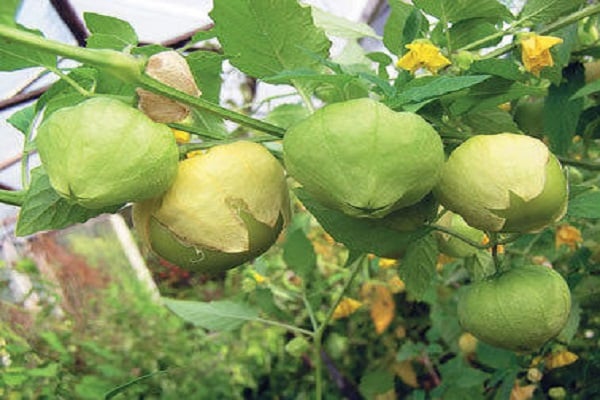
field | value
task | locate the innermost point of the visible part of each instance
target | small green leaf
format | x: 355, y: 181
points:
x: 341, y: 27
x: 423, y: 89
x: 457, y: 373
x: 105, y: 25
x: 265, y: 37
x: 588, y: 89
x: 542, y: 11
x: 286, y: 115
x: 23, y: 119
x: 15, y: 56
x: 585, y: 205
x: 480, y: 265
x: 561, y: 114
x: 44, y: 209
x: 106, y: 41
x: 418, y: 266
x: 299, y: 254
x: 206, y: 68
x: 458, y: 10
x: 364, y: 235
x: 489, y: 121
x: 504, y: 68
x: 491, y: 93
x: 402, y: 17
x: 122, y: 388
x: 220, y: 315
x: 470, y: 30
x: 568, y: 332
x: 48, y: 371
x: 495, y: 357
x: 376, y: 382
x: 201, y: 36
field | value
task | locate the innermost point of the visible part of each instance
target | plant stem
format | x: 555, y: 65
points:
x: 561, y: 23
x: 289, y: 327
x: 494, y: 244
x: 590, y: 166
x: 157, y: 87
x: 129, y: 69
x: 187, y: 147
x: 318, y: 336
x: 460, y: 236
x: 12, y: 197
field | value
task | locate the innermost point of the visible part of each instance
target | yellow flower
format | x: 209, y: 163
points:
x: 259, y: 278
x: 387, y: 263
x: 396, y: 284
x: 535, y: 52
x: 346, y: 307
x: 181, y: 136
x: 423, y: 55
x: 568, y: 235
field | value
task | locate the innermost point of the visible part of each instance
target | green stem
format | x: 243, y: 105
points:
x: 187, y: 147
x: 318, y: 336
x: 130, y: 69
x: 310, y: 311
x: 561, y: 23
x: 12, y: 197
x: 457, y: 235
x: 291, y: 328
x: 591, y: 166
x: 70, y: 81
x: 155, y: 86
x: 122, y: 65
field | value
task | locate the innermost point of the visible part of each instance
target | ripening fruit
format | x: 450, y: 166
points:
x: 102, y: 153
x: 364, y: 159
x: 504, y: 183
x: 519, y: 310
x: 226, y: 207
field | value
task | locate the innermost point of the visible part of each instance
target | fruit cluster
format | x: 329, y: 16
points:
x: 227, y: 205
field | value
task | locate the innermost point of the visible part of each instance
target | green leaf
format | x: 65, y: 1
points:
x: 458, y: 10
x: 122, y: 388
x: 23, y: 119
x: 489, y: 121
x: 363, y: 235
x: 586, y: 205
x: 62, y: 94
x: 376, y: 382
x: 457, y: 373
x: 568, y: 332
x: 299, y: 254
x: 206, y: 68
x: 480, y: 265
x: 222, y: 315
x: 491, y: 93
x: 404, y: 18
x: 588, y: 89
x: 504, y: 68
x: 561, y: 114
x: 418, y: 266
x: 265, y: 37
x: 44, y: 209
x: 543, y: 11
x: 109, y: 32
x: 426, y: 88
x: 286, y: 115
x: 341, y: 27
x: 48, y: 371
x: 495, y: 357
x: 470, y: 30
x: 15, y: 56
x: 8, y: 11
x: 201, y: 36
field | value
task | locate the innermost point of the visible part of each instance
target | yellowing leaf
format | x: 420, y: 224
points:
x: 567, y: 235
x: 381, y: 303
x: 522, y: 392
x: 396, y: 284
x: 346, y: 307
x: 560, y: 359
x: 406, y: 373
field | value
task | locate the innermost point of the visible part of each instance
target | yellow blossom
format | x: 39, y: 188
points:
x: 387, y: 263
x: 422, y: 55
x: 535, y: 52
x: 560, y: 359
x: 259, y: 278
x: 181, y: 136
x: 346, y: 307
x: 567, y: 235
